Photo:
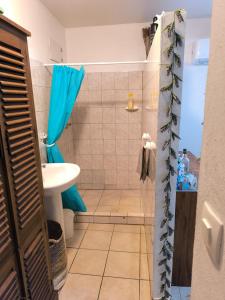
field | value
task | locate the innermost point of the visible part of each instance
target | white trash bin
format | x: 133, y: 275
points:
x: 68, y: 223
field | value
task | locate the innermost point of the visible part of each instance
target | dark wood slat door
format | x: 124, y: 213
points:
x: 10, y: 282
x: 186, y: 203
x: 22, y: 160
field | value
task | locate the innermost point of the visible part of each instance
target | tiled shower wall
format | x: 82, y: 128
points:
x: 102, y: 137
x: 41, y: 80
x: 107, y: 138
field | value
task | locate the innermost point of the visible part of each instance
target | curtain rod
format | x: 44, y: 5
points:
x: 97, y: 63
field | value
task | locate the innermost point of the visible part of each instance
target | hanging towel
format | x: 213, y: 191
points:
x: 144, y: 161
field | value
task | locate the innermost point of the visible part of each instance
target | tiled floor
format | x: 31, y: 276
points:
x: 122, y: 201
x: 181, y: 293
x: 107, y: 262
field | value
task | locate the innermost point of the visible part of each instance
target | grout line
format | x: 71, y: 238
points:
x: 140, y: 266
x: 105, y: 266
x: 73, y: 259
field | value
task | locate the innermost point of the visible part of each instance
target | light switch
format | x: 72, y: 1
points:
x: 212, y: 228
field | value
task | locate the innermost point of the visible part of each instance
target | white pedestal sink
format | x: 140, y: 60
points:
x: 57, y: 177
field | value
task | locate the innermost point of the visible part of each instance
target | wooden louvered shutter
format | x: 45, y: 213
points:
x: 20, y: 144
x: 10, y: 287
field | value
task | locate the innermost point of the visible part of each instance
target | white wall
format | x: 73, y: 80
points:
x: 208, y: 281
x: 194, y: 85
x: 195, y: 29
x: 192, y: 108
x: 105, y: 43
x: 35, y: 17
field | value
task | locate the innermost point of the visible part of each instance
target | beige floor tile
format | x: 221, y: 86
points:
x: 82, y: 226
x: 145, y: 290
x: 101, y: 227
x: 144, y: 271
x: 106, y: 208
x: 71, y: 253
x: 93, y: 193
x: 76, y: 239
x: 111, y: 193
x: 129, y: 209
x: 99, y: 240
x: 89, y: 262
x: 143, y: 244
x: 119, y: 289
x: 91, y: 208
x: 80, y: 287
x: 131, y: 193
x: 130, y: 201
x: 91, y: 200
x: 122, y: 264
x: 125, y: 242
x: 127, y: 228
x: 109, y: 201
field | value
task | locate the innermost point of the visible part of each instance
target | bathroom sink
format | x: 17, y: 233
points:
x: 59, y: 177
x: 56, y: 179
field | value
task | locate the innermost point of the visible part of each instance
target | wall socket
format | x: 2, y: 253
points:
x: 213, y: 231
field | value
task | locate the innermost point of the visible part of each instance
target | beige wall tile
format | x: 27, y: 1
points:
x: 85, y: 162
x: 135, y: 116
x: 108, y: 81
x: 122, y: 162
x: 134, y: 147
x: 109, y: 162
x: 84, y: 147
x: 121, y: 97
x: 94, y: 81
x: 135, y: 80
x: 95, y: 97
x: 121, y: 131
x: 134, y: 131
x: 122, y: 178
x: 109, y: 146
x: 108, y: 97
x: 121, y: 81
x: 121, y: 115
x: 86, y: 176
x: 97, y: 146
x: 109, y: 131
x: 97, y: 162
x: 98, y: 176
x: 96, y: 131
x: 121, y: 147
x: 108, y: 115
x: 110, y: 176
x: 95, y: 115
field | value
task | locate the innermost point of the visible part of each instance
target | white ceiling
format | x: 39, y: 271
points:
x: 76, y: 13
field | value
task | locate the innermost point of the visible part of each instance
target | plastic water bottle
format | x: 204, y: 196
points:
x: 186, y: 162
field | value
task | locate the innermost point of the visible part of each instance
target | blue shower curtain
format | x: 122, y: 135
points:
x: 66, y: 83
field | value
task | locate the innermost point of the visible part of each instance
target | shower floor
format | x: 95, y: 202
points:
x: 113, y: 201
